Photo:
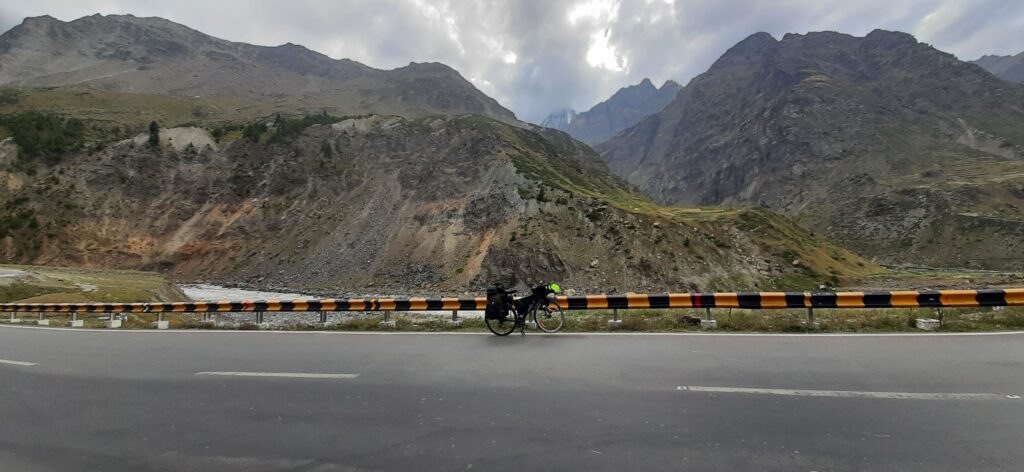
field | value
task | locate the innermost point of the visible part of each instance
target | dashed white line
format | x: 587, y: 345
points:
x: 297, y: 375
x: 851, y: 394
x: 26, y: 364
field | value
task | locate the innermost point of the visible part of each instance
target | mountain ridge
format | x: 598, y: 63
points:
x: 401, y: 182
x: 626, y: 107
x: 791, y: 124
x: 1009, y: 68
x: 124, y: 53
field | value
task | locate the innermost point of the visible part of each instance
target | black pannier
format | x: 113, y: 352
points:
x: 497, y: 302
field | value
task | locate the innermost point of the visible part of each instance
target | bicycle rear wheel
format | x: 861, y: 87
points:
x: 502, y: 326
x: 549, y: 318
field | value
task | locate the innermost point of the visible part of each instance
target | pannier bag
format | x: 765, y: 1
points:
x: 497, y: 303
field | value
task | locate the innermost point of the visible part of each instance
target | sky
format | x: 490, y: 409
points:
x: 539, y: 56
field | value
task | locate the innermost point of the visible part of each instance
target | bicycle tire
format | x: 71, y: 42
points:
x: 502, y: 326
x: 549, y: 318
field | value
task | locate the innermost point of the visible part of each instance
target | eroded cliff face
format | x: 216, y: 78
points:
x: 392, y: 205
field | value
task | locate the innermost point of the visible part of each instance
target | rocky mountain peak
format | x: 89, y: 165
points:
x: 893, y: 37
x: 752, y: 48
x: 560, y: 119
x: 791, y: 124
x: 623, y: 109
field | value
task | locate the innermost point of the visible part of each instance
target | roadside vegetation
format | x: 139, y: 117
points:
x: 641, y: 321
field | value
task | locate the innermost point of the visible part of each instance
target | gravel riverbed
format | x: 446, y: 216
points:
x: 210, y: 293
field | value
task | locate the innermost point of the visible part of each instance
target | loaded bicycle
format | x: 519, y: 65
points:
x: 505, y: 313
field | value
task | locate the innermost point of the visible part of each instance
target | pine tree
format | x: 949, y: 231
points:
x: 154, y: 134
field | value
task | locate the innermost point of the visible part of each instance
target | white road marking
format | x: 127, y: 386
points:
x: 298, y: 375
x: 5, y: 361
x: 851, y: 394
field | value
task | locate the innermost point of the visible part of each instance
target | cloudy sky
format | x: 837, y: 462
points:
x: 536, y: 56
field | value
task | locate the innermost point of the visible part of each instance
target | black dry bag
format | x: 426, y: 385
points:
x: 497, y: 303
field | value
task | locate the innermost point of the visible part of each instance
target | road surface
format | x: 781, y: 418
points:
x: 102, y: 400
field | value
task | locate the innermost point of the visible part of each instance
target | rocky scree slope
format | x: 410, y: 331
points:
x: 884, y: 144
x: 390, y: 205
x: 624, y: 109
x: 123, y: 53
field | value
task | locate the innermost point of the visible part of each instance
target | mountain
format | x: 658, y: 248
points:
x: 281, y: 168
x: 624, y: 109
x: 1008, y: 68
x: 385, y: 204
x: 560, y: 120
x: 123, y: 53
x: 882, y: 143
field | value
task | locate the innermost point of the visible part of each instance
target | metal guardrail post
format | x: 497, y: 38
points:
x: 159, y: 316
x: 810, y: 315
x: 259, y: 317
x: 42, y: 316
x: 323, y: 317
x: 455, y: 315
x: 615, y: 314
x: 709, y: 316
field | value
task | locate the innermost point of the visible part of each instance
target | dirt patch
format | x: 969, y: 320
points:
x: 180, y: 138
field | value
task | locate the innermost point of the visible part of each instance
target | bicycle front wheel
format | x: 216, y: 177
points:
x: 549, y: 318
x: 502, y: 326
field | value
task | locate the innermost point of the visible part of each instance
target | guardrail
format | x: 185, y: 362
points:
x: 751, y: 300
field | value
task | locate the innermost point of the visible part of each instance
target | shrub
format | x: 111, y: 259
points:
x: 40, y: 134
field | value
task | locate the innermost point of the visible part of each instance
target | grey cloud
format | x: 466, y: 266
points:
x: 8, y: 19
x: 656, y: 39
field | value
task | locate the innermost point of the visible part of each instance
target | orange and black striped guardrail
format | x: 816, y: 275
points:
x: 753, y: 301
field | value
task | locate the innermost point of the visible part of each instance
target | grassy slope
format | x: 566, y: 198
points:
x: 816, y: 260
x: 37, y: 284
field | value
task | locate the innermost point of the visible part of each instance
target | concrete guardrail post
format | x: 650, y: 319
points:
x: 388, y: 322
x: 42, y: 320
x: 455, y: 321
x: 75, y: 322
x: 615, y: 322
x: 709, y: 321
x: 160, y: 322
x: 112, y: 321
x: 14, y: 317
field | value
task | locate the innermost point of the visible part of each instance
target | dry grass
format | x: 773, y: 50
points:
x: 759, y: 321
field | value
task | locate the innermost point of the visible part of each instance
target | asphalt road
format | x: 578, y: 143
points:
x: 99, y: 400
